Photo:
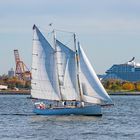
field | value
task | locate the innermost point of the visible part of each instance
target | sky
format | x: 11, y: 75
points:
x: 109, y: 30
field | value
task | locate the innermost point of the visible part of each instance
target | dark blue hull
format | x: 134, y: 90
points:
x: 94, y: 110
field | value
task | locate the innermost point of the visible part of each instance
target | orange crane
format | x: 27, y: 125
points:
x: 22, y: 72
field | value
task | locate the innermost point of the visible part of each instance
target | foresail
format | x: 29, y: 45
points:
x: 90, y: 99
x: 67, y: 72
x: 44, y: 77
x: 90, y: 84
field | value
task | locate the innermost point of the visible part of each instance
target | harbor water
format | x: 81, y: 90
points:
x: 120, y: 122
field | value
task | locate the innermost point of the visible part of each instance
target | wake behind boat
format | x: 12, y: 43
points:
x: 64, y: 80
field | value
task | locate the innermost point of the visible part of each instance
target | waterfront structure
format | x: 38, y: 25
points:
x: 22, y: 72
x: 129, y: 71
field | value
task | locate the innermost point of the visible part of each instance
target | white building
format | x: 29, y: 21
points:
x: 3, y: 87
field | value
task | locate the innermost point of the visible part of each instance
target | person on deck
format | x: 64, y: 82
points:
x: 65, y: 103
x: 76, y: 103
x: 82, y: 104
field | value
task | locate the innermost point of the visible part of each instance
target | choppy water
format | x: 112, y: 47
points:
x: 17, y: 122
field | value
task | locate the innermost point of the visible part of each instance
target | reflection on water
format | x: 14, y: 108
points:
x: 71, y: 118
x: 120, y: 122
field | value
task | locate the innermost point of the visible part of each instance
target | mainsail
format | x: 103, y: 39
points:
x: 67, y: 72
x: 44, y: 77
x: 91, y: 87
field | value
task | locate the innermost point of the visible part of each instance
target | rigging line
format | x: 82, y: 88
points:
x: 68, y: 42
x: 64, y: 31
x: 70, y: 39
x: 46, y: 31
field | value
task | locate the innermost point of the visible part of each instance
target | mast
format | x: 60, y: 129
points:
x: 77, y: 62
x: 55, y: 47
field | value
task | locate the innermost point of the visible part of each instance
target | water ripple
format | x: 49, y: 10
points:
x: 121, y: 122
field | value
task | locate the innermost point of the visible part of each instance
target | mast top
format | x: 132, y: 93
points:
x: 34, y: 26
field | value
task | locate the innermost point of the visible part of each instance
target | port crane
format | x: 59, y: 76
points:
x: 21, y: 71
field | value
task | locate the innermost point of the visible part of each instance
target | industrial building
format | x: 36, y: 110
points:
x: 11, y: 73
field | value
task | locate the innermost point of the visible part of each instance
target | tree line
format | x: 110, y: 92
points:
x: 118, y: 85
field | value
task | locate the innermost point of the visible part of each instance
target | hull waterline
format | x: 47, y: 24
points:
x: 86, y: 110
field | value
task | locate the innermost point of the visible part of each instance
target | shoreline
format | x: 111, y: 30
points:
x: 28, y: 92
x: 124, y: 93
x: 14, y: 92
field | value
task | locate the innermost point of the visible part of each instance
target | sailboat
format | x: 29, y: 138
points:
x: 63, y: 80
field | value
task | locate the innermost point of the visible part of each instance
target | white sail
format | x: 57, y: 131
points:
x: 44, y: 76
x: 67, y: 72
x: 91, y: 87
